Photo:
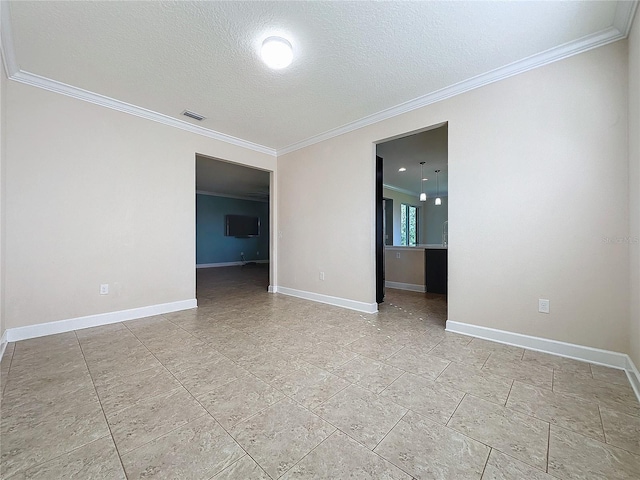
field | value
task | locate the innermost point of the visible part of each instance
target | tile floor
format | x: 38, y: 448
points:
x: 253, y: 385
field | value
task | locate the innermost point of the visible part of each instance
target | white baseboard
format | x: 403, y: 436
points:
x: 272, y: 289
x: 337, y: 301
x: 406, y: 286
x: 3, y: 343
x: 228, y: 264
x: 634, y: 376
x: 61, y: 326
x: 598, y: 356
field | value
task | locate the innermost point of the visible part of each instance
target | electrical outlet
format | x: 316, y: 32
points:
x: 397, y: 254
x: 543, y: 305
x: 321, y: 275
x: 104, y: 289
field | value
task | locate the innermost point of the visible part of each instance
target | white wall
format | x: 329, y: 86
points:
x: 537, y: 177
x: 634, y: 192
x: 97, y: 196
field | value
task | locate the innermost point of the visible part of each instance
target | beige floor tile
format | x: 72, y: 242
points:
x: 611, y: 375
x: 611, y: 395
x: 621, y: 430
x: 50, y: 385
x: 40, y: 431
x: 123, y: 392
x: 497, y: 349
x: 239, y: 399
x: 573, y: 413
x: 270, y: 366
x: 368, y: 373
x: 469, y: 379
x: 424, y: 396
x: 503, y: 467
x: 377, y: 348
x: 245, y: 468
x: 537, y: 375
x: 339, y: 335
x: 120, y: 364
x: 520, y: 436
x: 426, y: 449
x: 278, y: 437
x: 327, y: 355
x: 152, y: 417
x: 197, y: 450
x: 310, y: 385
x: 109, y: 330
x: 361, y: 414
x: 341, y: 457
x: 97, y: 460
x: 574, y: 456
x: 461, y: 354
x: 418, y: 361
x: 210, y: 375
x: 554, y: 361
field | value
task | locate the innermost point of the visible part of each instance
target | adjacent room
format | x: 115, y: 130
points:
x: 222, y: 256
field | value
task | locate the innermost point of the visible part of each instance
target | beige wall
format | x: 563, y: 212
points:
x: 3, y: 87
x: 634, y: 184
x: 537, y: 179
x: 97, y: 196
x: 409, y: 268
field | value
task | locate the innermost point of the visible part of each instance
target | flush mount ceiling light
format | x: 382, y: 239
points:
x: 438, y: 199
x: 276, y: 52
x: 402, y: 169
x: 423, y: 196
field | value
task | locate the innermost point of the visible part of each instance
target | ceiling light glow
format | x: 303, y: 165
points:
x: 402, y: 169
x: 276, y: 52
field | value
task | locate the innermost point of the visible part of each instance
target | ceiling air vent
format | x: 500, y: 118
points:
x: 194, y: 115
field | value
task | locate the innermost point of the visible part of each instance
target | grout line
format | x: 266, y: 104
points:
x: 104, y: 414
x: 509, y: 394
x: 548, y: 446
x: 391, y: 429
x: 486, y: 462
x: 446, y: 424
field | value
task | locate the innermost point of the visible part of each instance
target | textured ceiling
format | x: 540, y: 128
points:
x: 351, y: 59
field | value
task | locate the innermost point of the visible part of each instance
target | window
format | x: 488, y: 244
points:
x: 408, y: 225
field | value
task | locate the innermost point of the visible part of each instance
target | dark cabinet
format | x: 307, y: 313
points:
x: 436, y: 270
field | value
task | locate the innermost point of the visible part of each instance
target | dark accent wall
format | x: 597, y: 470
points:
x: 211, y: 244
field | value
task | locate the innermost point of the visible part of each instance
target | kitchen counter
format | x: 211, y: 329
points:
x: 420, y: 268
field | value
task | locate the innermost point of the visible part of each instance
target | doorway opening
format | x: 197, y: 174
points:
x: 412, y: 203
x: 233, y: 224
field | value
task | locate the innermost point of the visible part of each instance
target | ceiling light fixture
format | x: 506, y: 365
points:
x: 438, y: 199
x: 402, y: 169
x: 423, y: 196
x: 277, y: 52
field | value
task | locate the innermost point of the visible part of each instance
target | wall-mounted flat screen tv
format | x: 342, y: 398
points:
x: 241, y: 226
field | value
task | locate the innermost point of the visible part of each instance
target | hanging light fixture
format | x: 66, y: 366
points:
x: 438, y: 199
x: 423, y: 196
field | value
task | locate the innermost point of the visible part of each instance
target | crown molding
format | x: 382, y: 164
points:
x: 95, y: 98
x: 625, y: 12
x: 6, y: 40
x: 623, y: 19
x: 561, y: 52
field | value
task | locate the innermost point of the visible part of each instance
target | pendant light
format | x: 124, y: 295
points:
x: 423, y: 196
x: 438, y: 199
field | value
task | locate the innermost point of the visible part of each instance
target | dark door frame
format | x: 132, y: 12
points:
x: 379, y: 233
